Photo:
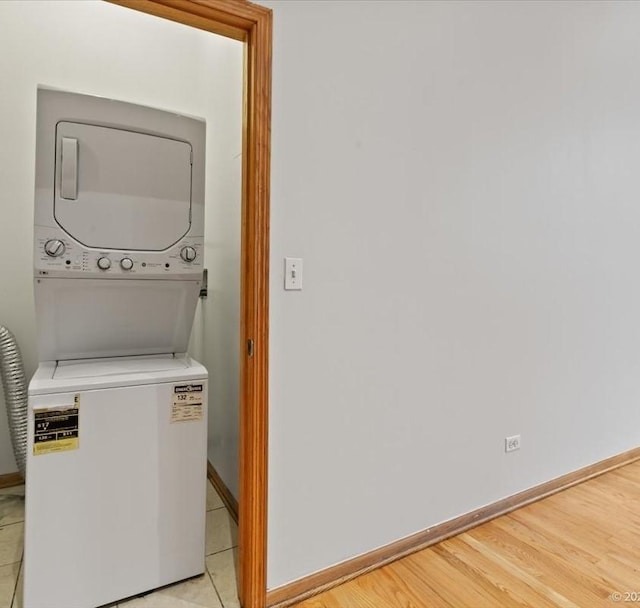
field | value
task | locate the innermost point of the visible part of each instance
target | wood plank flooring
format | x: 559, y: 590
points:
x: 579, y: 548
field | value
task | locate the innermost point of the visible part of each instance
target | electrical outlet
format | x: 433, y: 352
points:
x: 511, y: 444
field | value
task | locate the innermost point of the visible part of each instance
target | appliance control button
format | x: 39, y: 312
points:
x: 104, y: 263
x: 126, y: 263
x: 188, y: 254
x: 54, y: 248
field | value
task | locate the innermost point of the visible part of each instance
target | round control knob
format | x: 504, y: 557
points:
x: 188, y: 254
x: 104, y: 263
x: 54, y: 248
x: 126, y: 263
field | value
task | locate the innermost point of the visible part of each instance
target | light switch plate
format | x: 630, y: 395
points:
x: 293, y: 274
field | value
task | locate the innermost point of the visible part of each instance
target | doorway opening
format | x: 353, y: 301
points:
x: 252, y: 25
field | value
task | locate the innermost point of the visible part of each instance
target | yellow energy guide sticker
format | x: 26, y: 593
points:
x: 56, y: 428
x: 187, y: 402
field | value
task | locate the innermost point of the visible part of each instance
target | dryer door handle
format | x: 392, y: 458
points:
x: 69, y: 169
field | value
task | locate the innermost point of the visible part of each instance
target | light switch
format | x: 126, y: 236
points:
x: 293, y: 274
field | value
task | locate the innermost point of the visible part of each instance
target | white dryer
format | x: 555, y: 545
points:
x: 116, y: 455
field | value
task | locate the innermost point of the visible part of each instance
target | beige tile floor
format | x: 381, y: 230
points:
x: 214, y: 589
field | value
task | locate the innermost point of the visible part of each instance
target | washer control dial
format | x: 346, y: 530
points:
x: 126, y: 263
x: 188, y: 254
x: 54, y: 248
x: 104, y: 263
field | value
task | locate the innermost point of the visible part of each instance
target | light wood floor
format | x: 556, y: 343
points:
x: 576, y: 549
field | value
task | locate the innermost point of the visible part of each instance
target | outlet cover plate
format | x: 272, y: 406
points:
x: 511, y: 444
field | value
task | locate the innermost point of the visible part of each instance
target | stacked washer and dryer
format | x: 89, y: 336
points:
x: 117, y: 417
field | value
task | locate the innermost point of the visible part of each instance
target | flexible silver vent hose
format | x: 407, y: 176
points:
x: 15, y: 394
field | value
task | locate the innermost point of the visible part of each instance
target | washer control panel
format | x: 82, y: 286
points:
x: 57, y: 254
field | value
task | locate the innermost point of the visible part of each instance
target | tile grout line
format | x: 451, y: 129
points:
x: 213, y: 582
x: 14, y: 523
x: 221, y: 551
x: 15, y: 587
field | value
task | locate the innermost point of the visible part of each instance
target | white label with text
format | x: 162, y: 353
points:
x: 187, y: 402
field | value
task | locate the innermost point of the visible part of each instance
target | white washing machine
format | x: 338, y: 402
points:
x: 116, y: 455
x: 122, y: 511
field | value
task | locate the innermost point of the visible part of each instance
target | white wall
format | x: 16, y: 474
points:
x: 462, y: 181
x: 103, y: 49
x: 216, y: 330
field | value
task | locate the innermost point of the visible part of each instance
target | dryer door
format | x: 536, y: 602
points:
x: 117, y: 189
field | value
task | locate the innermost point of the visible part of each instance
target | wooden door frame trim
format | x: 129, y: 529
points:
x: 251, y: 24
